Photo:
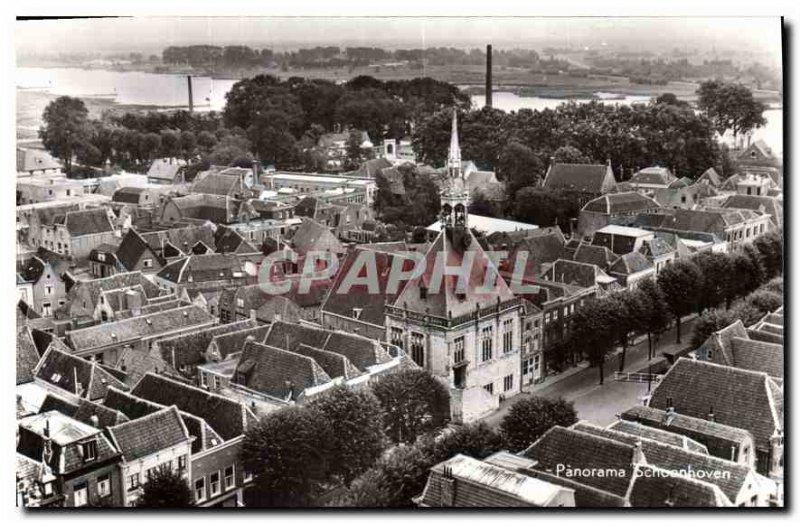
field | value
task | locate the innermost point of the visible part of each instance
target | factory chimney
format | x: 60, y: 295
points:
x: 191, y: 98
x: 489, y: 76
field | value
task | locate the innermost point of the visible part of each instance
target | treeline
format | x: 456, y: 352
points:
x: 238, y: 56
x: 374, y: 446
x: 701, y: 283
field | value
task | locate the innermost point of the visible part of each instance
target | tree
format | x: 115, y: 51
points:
x: 66, y: 129
x: 765, y: 301
x: 356, y: 421
x: 518, y: 167
x: 716, y: 286
x: 631, y: 317
x: 544, y: 207
x: 569, y: 154
x: 230, y: 150
x: 288, y: 453
x: 271, y: 140
x: 744, y: 277
x: 670, y: 99
x: 353, y: 148
x: 170, y: 143
x: 656, y: 311
x: 730, y: 107
x: 710, y: 322
x: 530, y: 418
x: 166, y: 488
x: 774, y: 285
x: 414, y: 403
x: 477, y: 440
x: 770, y: 250
x: 188, y: 144
x: 206, y: 140
x: 481, y: 205
x: 593, y: 330
x: 681, y: 282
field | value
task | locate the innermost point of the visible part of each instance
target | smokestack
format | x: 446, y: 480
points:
x: 489, y: 76
x: 191, y: 98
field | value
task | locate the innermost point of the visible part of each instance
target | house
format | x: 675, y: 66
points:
x: 659, y: 252
x: 639, y: 471
x: 46, y: 290
x: 622, y: 240
x: 106, y: 341
x: 48, y: 188
x: 632, y: 268
x: 27, y: 355
x: 36, y: 162
x: 711, y: 177
x: 736, y: 227
x: 744, y: 399
x: 229, y: 240
x: 103, y: 261
x: 85, y: 299
x: 585, y: 181
x: 137, y: 197
x: 220, y: 184
x: 757, y: 154
x: 149, y: 248
x: 73, y: 233
x: 684, y: 196
x: 765, y: 204
x: 66, y: 374
x: 252, y: 302
x: 200, y: 208
x: 650, y: 179
x: 206, y: 272
x: 166, y: 171
x: 601, y: 211
x: 585, y: 275
x: 732, y: 346
x: 598, y: 255
x: 312, y: 236
x: 148, y: 443
x: 465, y: 482
x: 722, y: 441
x: 353, y: 186
x: 77, y: 464
x: 217, y: 473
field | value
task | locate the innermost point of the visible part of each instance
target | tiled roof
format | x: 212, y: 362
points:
x: 711, y: 176
x: 88, y: 221
x: 227, y: 240
x: 371, y: 168
x: 335, y: 365
x: 150, y: 434
x: 621, y: 203
x: 232, y: 342
x: 137, y: 327
x: 136, y: 363
x: 589, y: 178
x: 66, y: 372
x: 770, y: 205
x: 27, y: 355
x: 631, y: 263
x: 165, y: 168
x: 189, y: 348
x: 128, y: 194
x: 54, y: 402
x: 278, y: 373
x: 758, y: 356
x: 120, y: 280
x: 361, y: 351
x: 131, y: 249
x: 650, y: 490
x: 228, y: 418
x: 739, y: 398
x: 88, y: 412
x: 574, y: 273
x: 598, y: 255
x: 313, y: 236
x: 653, y: 176
x: 480, y: 484
x: 716, y: 437
x: 220, y: 184
x: 656, y: 247
x: 203, y: 268
x: 182, y: 237
x: 32, y: 269
x: 134, y: 407
x: 664, y: 436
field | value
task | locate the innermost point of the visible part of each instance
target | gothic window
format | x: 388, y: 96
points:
x: 486, y: 343
x: 397, y: 337
x: 508, y: 335
x: 418, y: 348
x: 458, y: 352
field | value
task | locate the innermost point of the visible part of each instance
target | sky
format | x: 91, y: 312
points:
x: 145, y: 34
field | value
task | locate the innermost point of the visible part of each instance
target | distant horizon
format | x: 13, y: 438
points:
x: 721, y: 36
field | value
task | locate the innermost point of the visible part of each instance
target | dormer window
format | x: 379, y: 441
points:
x: 89, y: 450
x: 423, y: 293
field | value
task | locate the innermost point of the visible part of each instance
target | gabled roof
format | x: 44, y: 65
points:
x: 128, y: 194
x: 137, y: 327
x: 120, y: 280
x: 229, y: 343
x: 575, y: 273
x: 741, y: 398
x: 313, y: 236
x: 621, y: 203
x: 181, y: 237
x: 335, y: 365
x: 97, y: 415
x: 359, y: 350
x: 711, y: 176
x: 228, y: 418
x: 371, y: 168
x: 653, y: 176
x: 589, y: 178
x: 165, y: 169
x: 656, y: 247
x: 598, y: 255
x: 150, y: 434
x: 75, y: 375
x: 35, y: 160
x: 220, y: 184
x: 666, y: 437
x: 767, y: 204
x: 27, y: 355
x: 189, y: 348
x: 32, y: 269
x: 227, y: 240
x: 203, y: 268
x: 88, y: 221
x: 451, y: 247
x: 132, y: 248
x: 276, y: 372
x: 758, y: 356
x: 631, y: 263
x: 716, y: 437
x: 479, y: 484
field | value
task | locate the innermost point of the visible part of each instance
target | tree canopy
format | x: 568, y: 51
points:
x: 528, y: 419
x: 165, y: 488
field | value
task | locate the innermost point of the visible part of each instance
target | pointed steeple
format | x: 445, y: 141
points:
x: 454, y: 155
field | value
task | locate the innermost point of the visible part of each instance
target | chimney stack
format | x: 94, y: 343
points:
x: 489, y: 76
x: 191, y: 98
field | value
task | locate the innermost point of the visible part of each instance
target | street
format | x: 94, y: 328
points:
x: 601, y: 403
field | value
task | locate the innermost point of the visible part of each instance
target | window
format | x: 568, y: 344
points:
x: 101, y: 256
x: 240, y: 302
x: 527, y: 366
x: 214, y: 480
x: 203, y: 380
x: 508, y: 335
x: 217, y: 382
x: 458, y: 352
x: 486, y: 343
x: 489, y: 388
x: 200, y: 489
x: 147, y: 263
x: 104, y: 485
x: 46, y: 309
x: 230, y: 480
x: 48, y: 290
x: 133, y: 481
x: 80, y: 496
x: 89, y: 450
x: 397, y: 337
x: 418, y: 348
x: 536, y: 362
x: 508, y: 383
x: 182, y: 462
x: 248, y: 476
x: 149, y: 473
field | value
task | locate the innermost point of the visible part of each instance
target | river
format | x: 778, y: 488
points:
x: 170, y: 90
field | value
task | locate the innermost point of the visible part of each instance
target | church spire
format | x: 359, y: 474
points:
x: 454, y: 155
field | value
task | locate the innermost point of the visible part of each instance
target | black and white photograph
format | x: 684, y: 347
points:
x: 410, y: 263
